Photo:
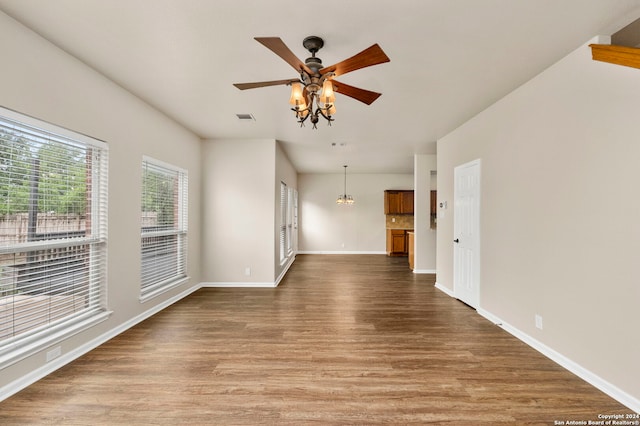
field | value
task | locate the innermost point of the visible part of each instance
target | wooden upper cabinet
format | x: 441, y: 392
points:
x: 392, y: 202
x: 407, y: 202
x: 398, y: 202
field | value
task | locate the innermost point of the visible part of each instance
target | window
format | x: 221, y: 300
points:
x: 164, y: 227
x: 288, y: 220
x: 290, y: 205
x: 283, y: 221
x: 294, y: 232
x: 53, y: 204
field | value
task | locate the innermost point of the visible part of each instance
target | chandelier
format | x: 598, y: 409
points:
x: 344, y: 198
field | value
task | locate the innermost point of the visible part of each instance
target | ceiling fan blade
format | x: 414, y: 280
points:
x: 245, y: 86
x: 362, y: 95
x: 277, y: 46
x: 373, y: 55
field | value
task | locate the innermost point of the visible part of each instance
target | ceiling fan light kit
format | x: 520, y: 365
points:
x: 313, y: 94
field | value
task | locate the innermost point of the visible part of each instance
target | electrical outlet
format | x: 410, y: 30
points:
x: 247, y: 271
x: 54, y: 353
x: 539, y: 321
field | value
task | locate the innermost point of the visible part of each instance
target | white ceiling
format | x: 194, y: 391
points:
x: 450, y: 59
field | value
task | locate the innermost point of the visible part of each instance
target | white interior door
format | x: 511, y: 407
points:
x: 466, y: 231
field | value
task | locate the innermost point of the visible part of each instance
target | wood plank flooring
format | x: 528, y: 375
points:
x: 353, y: 339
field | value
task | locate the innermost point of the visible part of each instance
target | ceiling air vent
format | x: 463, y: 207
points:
x: 245, y: 117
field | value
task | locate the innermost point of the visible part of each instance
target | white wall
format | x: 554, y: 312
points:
x: 238, y: 208
x: 425, y: 237
x: 41, y: 80
x: 560, y: 228
x: 328, y: 227
x: 241, y: 211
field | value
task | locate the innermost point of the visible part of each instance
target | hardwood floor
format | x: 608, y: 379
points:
x: 353, y: 339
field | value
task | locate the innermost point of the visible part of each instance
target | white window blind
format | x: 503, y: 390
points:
x: 164, y: 227
x: 288, y: 220
x: 289, y: 236
x: 283, y: 221
x: 294, y: 208
x: 53, y: 230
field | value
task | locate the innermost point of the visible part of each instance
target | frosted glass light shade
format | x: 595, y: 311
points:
x: 328, y: 96
x: 296, y: 98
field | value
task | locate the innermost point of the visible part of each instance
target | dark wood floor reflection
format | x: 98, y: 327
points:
x: 343, y: 340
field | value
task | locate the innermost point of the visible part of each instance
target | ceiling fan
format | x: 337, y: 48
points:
x: 312, y: 95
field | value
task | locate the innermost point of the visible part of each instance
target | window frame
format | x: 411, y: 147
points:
x: 49, y: 332
x: 283, y: 222
x: 288, y: 221
x: 179, y: 231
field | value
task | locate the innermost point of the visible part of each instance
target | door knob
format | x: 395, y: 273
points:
x: 456, y: 240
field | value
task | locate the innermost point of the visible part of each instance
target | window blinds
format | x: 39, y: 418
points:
x: 163, y: 226
x: 53, y: 230
x: 288, y: 220
x: 283, y: 221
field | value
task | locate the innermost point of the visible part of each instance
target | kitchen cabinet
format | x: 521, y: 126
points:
x: 398, y: 242
x: 392, y: 202
x: 406, y: 206
x: 398, y: 202
x: 410, y: 243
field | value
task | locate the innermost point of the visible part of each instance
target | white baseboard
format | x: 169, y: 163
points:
x: 424, y: 271
x: 586, y: 375
x: 238, y: 284
x: 37, y: 374
x: 340, y: 252
x: 219, y: 284
x: 445, y: 290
